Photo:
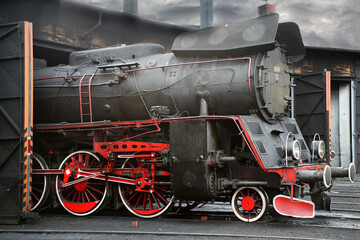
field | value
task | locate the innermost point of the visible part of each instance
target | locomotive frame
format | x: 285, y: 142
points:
x: 145, y: 188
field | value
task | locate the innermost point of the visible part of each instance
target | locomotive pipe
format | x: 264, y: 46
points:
x: 251, y: 183
x: 344, y: 172
x: 227, y: 159
x: 239, y: 183
x: 315, y: 176
x: 203, y: 96
x: 210, y: 126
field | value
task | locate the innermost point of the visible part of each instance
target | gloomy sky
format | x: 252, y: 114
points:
x: 323, y: 23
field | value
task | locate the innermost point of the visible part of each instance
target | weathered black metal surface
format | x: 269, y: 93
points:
x: 272, y: 86
x: 310, y: 106
x: 116, y: 53
x: 233, y: 39
x: 176, y: 87
x: 11, y: 121
x: 188, y: 151
x: 269, y: 140
x: 254, y: 174
x: 231, y: 86
x: 288, y: 34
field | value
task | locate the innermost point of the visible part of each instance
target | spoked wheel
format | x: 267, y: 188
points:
x: 40, y: 185
x: 83, y: 197
x: 151, y: 196
x: 249, y: 203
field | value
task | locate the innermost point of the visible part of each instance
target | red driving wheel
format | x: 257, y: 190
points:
x: 83, y: 197
x: 151, y: 196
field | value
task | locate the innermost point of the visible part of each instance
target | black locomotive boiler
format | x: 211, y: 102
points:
x: 207, y: 122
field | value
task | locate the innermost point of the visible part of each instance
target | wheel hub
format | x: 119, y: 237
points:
x: 248, y: 203
x: 142, y: 178
x: 81, y: 186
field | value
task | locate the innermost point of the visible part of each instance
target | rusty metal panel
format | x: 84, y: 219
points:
x: 339, y: 63
x: 15, y: 121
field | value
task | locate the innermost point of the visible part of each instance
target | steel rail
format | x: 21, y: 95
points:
x: 120, y: 232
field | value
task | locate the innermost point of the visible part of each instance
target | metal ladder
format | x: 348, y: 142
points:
x: 85, y: 98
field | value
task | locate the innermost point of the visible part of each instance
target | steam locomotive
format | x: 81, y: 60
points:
x: 207, y: 122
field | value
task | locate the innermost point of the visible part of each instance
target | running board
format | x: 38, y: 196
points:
x: 294, y: 207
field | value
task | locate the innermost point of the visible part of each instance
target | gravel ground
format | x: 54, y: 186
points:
x: 110, y: 224
x: 51, y: 226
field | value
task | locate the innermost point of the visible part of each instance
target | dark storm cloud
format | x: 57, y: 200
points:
x: 184, y: 12
x: 323, y: 23
x: 181, y: 15
x: 225, y: 12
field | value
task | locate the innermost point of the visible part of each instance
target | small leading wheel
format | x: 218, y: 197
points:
x: 84, y: 197
x: 151, y: 196
x: 40, y: 186
x: 249, y: 203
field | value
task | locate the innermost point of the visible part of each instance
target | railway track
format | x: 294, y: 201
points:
x: 203, y: 222
x: 58, y: 226
x: 216, y: 222
x: 216, y: 225
x: 345, y: 196
x: 151, y: 235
